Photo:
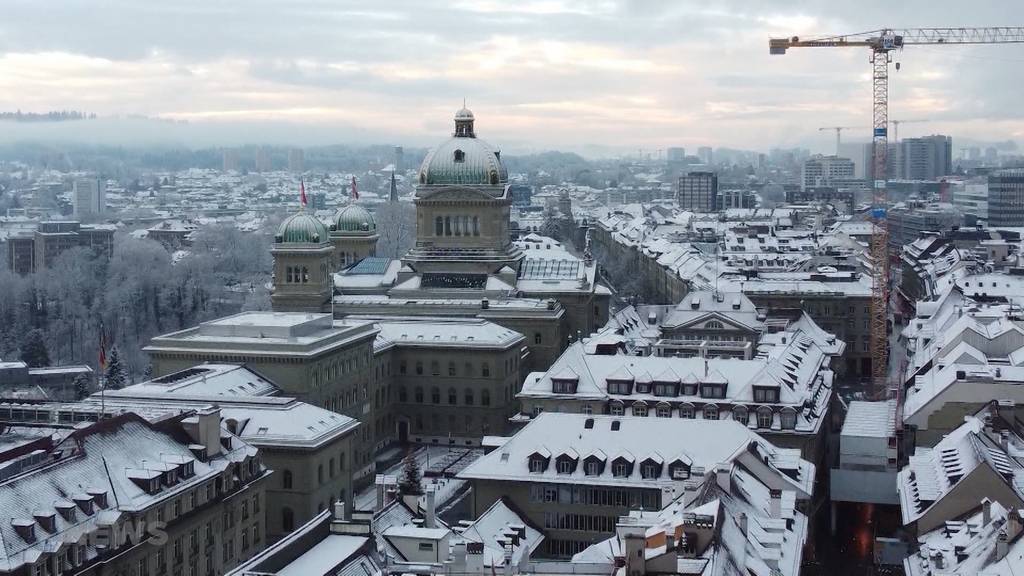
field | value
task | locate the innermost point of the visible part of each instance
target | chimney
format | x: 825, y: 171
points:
x: 204, y: 429
x: 1013, y: 523
x: 1002, y: 545
x: 341, y: 512
x: 723, y: 478
x: 430, y: 520
x: 381, y: 486
x: 986, y: 512
x: 775, y: 509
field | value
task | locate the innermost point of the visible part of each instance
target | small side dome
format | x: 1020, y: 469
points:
x: 463, y: 114
x: 301, y: 228
x: 354, y: 218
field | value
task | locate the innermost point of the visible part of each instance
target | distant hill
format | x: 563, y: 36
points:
x: 52, y: 116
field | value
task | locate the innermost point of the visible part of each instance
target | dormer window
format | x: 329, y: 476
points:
x: 621, y: 468
x: 650, y: 469
x: 460, y: 156
x: 539, y: 462
x: 679, y: 470
x: 566, y: 463
x: 766, y: 394
x: 623, y: 387
x: 564, y: 385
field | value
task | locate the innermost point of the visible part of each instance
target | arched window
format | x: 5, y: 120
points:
x: 687, y: 411
x: 710, y: 412
x: 764, y: 417
x: 286, y: 480
x: 457, y: 225
x: 341, y: 461
x: 438, y: 226
x: 287, y: 519
x: 469, y: 396
x: 460, y: 156
x: 640, y: 409
x: 447, y: 225
x: 788, y: 417
x: 419, y: 394
x: 616, y: 408
x: 435, y: 395
x: 330, y: 468
x: 419, y: 368
x: 740, y: 414
x: 485, y: 370
x: 485, y: 397
x: 320, y: 474
x: 476, y: 226
x: 663, y: 410
x: 453, y: 396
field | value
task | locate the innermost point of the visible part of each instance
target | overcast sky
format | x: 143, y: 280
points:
x: 538, y: 74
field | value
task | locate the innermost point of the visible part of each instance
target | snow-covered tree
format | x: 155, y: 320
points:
x: 410, y: 483
x: 117, y: 375
x: 33, y: 349
x: 82, y: 386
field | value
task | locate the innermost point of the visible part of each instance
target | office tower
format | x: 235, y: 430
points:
x: 675, y: 154
x: 230, y: 160
x: 296, y: 160
x: 704, y: 153
x: 926, y: 158
x: 1006, y: 198
x: 262, y: 160
x: 698, y: 192
x: 88, y: 197
x: 399, y: 159
x: 826, y: 171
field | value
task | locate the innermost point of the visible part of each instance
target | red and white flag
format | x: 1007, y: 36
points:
x: 355, y: 192
x: 302, y: 193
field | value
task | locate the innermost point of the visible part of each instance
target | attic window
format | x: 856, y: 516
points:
x: 615, y: 425
x: 460, y: 156
x: 589, y: 424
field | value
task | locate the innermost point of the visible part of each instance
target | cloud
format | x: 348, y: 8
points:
x: 542, y: 73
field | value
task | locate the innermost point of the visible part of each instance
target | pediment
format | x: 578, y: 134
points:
x: 454, y: 194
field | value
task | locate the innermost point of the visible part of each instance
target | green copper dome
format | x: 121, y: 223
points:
x: 301, y: 228
x: 354, y: 218
x: 463, y: 159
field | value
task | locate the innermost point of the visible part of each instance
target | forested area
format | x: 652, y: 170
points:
x: 136, y: 294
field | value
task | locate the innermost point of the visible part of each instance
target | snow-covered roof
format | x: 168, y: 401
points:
x: 799, y: 369
x: 441, y: 332
x: 934, y: 473
x: 870, y: 420
x: 972, y: 545
x: 635, y: 439
x: 100, y: 459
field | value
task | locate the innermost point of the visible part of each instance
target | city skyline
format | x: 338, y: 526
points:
x: 540, y: 74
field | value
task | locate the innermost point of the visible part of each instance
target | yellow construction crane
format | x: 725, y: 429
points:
x: 839, y: 131
x: 882, y: 43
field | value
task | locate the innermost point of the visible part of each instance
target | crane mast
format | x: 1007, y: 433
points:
x: 882, y: 43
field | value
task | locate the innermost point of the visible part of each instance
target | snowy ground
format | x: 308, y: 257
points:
x: 446, y: 488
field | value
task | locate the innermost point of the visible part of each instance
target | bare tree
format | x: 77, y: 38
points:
x: 396, y: 225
